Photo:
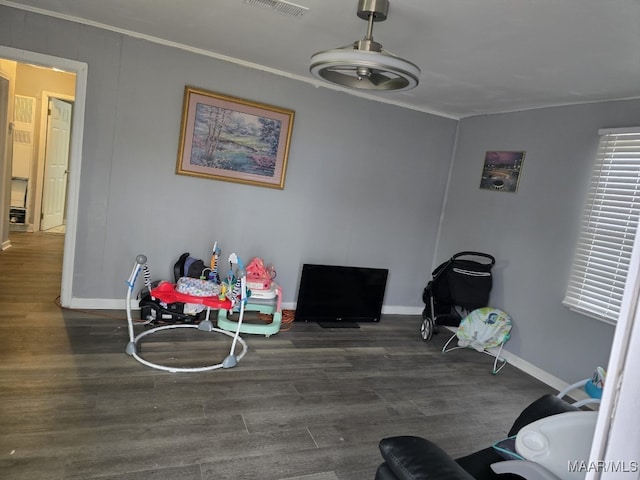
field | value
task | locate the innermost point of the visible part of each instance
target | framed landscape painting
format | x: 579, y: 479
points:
x: 231, y: 139
x: 501, y: 171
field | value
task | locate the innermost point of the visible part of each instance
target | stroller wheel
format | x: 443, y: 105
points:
x: 426, y: 329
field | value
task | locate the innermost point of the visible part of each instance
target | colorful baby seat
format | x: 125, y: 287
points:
x: 483, y: 329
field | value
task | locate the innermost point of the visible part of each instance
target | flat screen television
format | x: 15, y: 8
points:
x: 332, y: 294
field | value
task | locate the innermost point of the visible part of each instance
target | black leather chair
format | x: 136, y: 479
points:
x: 415, y: 458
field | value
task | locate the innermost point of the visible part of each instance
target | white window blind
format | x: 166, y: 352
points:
x: 609, y: 224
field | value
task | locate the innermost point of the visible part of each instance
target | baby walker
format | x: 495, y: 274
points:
x: 204, y: 293
x: 265, y: 298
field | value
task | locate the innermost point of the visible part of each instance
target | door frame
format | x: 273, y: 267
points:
x: 42, y: 148
x: 6, y: 128
x: 75, y: 153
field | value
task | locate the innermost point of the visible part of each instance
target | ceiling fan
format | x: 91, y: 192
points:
x: 365, y: 65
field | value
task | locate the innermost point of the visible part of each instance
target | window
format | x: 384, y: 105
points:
x: 609, y: 224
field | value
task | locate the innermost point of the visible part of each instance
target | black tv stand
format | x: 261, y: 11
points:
x: 338, y: 324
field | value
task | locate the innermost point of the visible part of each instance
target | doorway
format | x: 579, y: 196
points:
x: 72, y: 173
x: 43, y: 107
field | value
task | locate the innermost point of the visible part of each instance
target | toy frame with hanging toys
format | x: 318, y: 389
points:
x: 166, y: 292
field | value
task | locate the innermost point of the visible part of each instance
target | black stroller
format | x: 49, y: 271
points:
x: 458, y: 286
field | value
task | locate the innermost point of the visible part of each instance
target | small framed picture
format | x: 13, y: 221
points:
x: 501, y: 171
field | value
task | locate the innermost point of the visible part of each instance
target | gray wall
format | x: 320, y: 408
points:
x: 364, y: 186
x: 532, y: 233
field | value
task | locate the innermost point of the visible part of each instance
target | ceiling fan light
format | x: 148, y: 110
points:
x: 345, y: 67
x: 366, y: 66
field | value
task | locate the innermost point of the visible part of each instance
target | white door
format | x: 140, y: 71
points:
x: 56, y: 161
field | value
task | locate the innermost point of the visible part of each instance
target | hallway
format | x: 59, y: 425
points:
x: 31, y: 272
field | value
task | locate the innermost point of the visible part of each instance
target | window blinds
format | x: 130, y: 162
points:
x: 609, y: 224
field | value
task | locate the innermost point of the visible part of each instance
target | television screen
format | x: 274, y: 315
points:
x: 331, y: 293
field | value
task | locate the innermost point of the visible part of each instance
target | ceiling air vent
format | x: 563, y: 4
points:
x: 280, y: 6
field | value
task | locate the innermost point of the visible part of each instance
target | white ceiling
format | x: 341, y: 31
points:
x: 476, y: 56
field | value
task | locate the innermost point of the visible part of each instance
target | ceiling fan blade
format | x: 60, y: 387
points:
x: 375, y: 77
x: 363, y: 77
x: 378, y: 78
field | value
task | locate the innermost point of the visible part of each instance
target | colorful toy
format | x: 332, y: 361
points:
x: 213, y: 274
x: 259, y: 277
x: 167, y: 292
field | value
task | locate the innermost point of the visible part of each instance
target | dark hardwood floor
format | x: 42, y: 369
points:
x: 306, y: 404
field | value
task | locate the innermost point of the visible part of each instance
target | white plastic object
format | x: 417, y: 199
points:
x: 556, y: 441
x: 264, y: 294
x: 525, y: 469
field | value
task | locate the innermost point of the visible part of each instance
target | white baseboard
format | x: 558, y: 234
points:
x: 537, y: 373
x: 542, y: 375
x: 6, y: 245
x: 399, y: 310
x: 101, y: 303
x: 120, y: 304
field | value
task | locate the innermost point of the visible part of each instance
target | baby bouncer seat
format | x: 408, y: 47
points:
x: 483, y: 329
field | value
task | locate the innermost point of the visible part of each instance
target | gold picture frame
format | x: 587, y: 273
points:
x: 233, y: 139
